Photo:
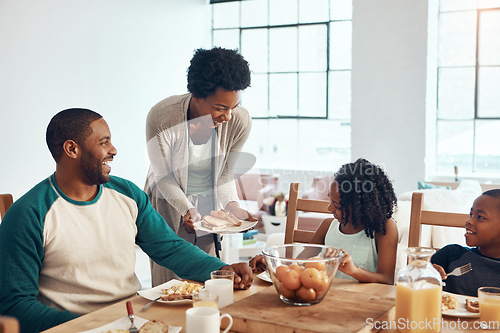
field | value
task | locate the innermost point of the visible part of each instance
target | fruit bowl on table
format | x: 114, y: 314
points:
x: 301, y: 273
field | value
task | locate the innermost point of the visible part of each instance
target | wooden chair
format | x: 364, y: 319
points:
x: 419, y: 217
x: 9, y: 325
x: 295, y: 204
x: 6, y: 201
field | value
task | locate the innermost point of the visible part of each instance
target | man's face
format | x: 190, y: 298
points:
x: 97, y: 154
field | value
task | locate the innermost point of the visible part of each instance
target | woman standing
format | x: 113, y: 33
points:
x: 193, y: 143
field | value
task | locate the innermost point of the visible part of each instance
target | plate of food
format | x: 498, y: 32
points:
x: 459, y: 305
x: 265, y: 277
x: 223, y: 222
x: 122, y: 325
x: 172, y: 292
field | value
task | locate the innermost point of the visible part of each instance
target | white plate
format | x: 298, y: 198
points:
x: 124, y: 323
x: 245, y: 225
x: 265, y: 277
x: 460, y: 311
x: 153, y: 293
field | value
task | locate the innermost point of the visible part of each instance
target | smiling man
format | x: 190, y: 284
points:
x: 67, y: 247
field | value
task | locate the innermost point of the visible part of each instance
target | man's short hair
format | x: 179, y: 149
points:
x: 217, y: 68
x: 71, y: 124
x: 494, y: 194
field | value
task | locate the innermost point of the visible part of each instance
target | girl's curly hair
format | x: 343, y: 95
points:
x: 217, y: 68
x: 367, y: 197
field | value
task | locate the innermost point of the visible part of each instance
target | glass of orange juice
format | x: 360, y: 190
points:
x: 205, y: 298
x: 489, y: 307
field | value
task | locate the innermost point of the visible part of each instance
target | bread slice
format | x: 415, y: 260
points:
x: 154, y: 326
x: 472, y: 306
x: 214, y: 223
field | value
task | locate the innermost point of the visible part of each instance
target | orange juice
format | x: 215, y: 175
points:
x: 206, y: 304
x: 489, y: 310
x: 418, y: 310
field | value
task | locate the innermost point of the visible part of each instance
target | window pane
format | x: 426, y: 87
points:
x: 226, y: 15
x: 487, y: 147
x: 229, y: 39
x: 312, y: 94
x: 283, y: 49
x: 456, y: 93
x: 254, y: 48
x: 445, y: 5
x: 313, y: 11
x: 339, y: 95
x: 340, y: 9
x: 454, y: 145
x: 457, y: 39
x: 283, y: 12
x: 312, y: 48
x: 324, y: 145
x: 253, y: 13
x: 255, y: 96
x: 488, y: 92
x: 340, y: 45
x: 489, y: 37
x: 489, y: 3
x: 258, y: 142
x: 283, y: 139
x: 283, y: 94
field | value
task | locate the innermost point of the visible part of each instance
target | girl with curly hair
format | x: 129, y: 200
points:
x: 362, y: 201
x: 193, y: 141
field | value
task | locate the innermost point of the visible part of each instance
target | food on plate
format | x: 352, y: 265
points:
x: 117, y: 331
x: 154, y: 326
x: 183, y: 290
x: 220, y: 220
x: 449, y: 302
x: 472, y: 306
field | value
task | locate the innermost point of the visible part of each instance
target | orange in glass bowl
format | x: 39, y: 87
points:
x: 301, y: 273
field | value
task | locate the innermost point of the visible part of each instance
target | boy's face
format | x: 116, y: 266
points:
x: 483, y: 226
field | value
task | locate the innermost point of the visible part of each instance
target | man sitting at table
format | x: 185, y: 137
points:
x: 67, y: 247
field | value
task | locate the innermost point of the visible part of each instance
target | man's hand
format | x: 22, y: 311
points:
x: 243, y: 277
x: 258, y: 264
x: 189, y: 219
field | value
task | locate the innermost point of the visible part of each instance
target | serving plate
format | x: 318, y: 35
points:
x: 265, y: 277
x: 460, y: 311
x: 245, y: 225
x: 124, y: 323
x: 155, y: 292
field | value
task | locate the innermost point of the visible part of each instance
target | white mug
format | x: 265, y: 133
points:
x: 206, y: 320
x: 223, y: 288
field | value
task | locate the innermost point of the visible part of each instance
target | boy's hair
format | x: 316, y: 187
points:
x: 70, y: 124
x: 494, y: 194
x: 367, y: 197
x: 217, y: 68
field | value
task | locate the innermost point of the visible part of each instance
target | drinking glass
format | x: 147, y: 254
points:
x: 223, y: 288
x: 489, y: 307
x: 206, y: 298
x: 222, y: 274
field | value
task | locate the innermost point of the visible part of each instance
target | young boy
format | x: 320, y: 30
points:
x: 483, y: 235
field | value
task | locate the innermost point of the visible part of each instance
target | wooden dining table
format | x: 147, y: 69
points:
x: 348, y: 307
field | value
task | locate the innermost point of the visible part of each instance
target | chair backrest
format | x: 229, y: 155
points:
x: 9, y: 325
x: 6, y: 201
x: 419, y: 217
x: 295, y: 205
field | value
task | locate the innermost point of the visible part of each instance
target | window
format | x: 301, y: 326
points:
x: 300, y: 98
x: 468, y: 105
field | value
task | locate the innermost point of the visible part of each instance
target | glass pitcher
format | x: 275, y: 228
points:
x: 418, y: 294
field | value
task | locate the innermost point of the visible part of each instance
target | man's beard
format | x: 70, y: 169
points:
x: 92, y: 169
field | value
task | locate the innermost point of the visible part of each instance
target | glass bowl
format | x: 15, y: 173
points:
x: 301, y: 273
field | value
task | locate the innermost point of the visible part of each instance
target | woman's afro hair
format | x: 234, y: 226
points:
x: 217, y: 68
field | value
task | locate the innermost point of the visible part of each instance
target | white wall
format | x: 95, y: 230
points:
x: 117, y: 57
x: 389, y: 87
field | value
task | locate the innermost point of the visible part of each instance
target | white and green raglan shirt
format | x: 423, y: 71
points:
x: 61, y: 258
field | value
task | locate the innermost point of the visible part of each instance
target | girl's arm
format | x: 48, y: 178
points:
x: 386, y: 248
